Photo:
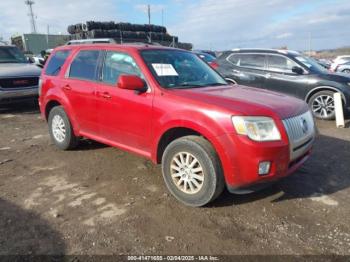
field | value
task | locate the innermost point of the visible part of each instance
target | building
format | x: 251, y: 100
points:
x: 35, y: 43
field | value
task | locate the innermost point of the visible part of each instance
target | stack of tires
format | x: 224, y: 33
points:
x: 126, y: 33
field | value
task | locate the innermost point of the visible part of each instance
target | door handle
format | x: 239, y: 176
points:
x: 67, y: 87
x: 106, y: 95
x: 235, y: 71
x: 268, y: 75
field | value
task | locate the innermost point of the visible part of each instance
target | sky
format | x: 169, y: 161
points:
x: 208, y: 24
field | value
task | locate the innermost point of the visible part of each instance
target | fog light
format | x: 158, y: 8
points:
x: 264, y: 168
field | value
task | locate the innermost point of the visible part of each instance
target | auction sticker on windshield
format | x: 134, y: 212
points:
x: 165, y: 70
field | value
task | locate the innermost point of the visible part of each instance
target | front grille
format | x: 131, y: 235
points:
x: 19, y: 82
x: 301, y: 132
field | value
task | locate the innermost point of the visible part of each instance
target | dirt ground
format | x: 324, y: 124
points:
x: 100, y: 200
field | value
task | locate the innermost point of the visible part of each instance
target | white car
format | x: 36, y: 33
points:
x: 338, y: 61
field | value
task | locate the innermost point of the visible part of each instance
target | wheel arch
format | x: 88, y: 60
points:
x: 51, y: 104
x: 323, y: 88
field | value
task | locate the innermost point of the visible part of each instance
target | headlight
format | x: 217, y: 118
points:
x: 257, y: 128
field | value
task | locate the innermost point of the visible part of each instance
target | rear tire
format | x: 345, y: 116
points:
x: 322, y: 105
x: 347, y: 71
x: 61, y: 130
x: 192, y: 171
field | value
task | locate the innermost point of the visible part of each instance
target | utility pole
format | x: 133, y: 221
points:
x: 149, y: 22
x: 162, y: 17
x: 149, y: 14
x: 47, y: 36
x: 309, y: 43
x: 30, y: 4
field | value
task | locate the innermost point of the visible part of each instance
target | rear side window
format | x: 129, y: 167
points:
x: 56, y: 62
x: 84, y: 65
x: 248, y: 60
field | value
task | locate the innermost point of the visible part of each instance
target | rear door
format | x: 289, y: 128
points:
x: 280, y: 78
x: 79, y: 87
x: 124, y: 116
x: 248, y: 68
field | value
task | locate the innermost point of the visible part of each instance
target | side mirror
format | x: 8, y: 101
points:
x: 132, y: 82
x: 298, y: 70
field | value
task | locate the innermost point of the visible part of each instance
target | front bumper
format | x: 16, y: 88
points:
x: 9, y: 95
x: 242, y: 156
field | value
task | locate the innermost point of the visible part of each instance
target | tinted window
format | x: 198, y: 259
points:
x: 11, y: 55
x: 248, y: 60
x: 180, y: 69
x: 282, y: 64
x: 84, y: 65
x: 117, y: 64
x: 56, y: 61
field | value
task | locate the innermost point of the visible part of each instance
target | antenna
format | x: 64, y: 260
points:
x: 30, y: 4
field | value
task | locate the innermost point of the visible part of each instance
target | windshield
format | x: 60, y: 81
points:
x: 11, y: 54
x: 180, y: 69
x: 310, y: 63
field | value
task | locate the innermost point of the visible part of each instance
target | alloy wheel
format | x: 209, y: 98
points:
x: 187, y: 173
x: 58, y: 128
x: 323, y: 106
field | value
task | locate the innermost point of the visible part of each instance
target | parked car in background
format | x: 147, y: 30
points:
x: 173, y: 108
x: 286, y: 72
x: 18, y: 77
x: 209, y: 52
x: 343, y: 68
x: 323, y: 62
x: 209, y: 59
x: 339, y: 60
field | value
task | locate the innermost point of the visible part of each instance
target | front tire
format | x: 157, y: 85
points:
x: 61, y: 130
x: 192, y: 171
x: 322, y: 105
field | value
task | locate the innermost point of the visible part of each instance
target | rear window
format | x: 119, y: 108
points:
x: 84, y: 65
x: 56, y: 62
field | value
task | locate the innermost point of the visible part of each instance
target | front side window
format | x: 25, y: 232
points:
x: 256, y: 61
x: 11, y: 54
x: 84, y: 65
x: 277, y: 63
x: 117, y: 64
x: 180, y: 69
x: 56, y: 61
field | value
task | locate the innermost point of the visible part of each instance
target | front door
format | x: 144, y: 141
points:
x: 124, y: 116
x: 281, y: 78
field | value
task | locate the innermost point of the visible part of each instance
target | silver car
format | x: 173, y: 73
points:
x: 19, y: 78
x: 344, y: 68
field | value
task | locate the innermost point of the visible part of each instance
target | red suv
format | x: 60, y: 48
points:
x: 171, y: 107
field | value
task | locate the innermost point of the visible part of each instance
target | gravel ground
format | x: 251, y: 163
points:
x: 100, y: 200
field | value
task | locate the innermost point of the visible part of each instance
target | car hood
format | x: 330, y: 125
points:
x: 246, y: 100
x: 18, y: 70
x: 337, y: 77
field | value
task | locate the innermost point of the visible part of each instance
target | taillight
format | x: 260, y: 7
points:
x: 40, y: 83
x: 214, y: 65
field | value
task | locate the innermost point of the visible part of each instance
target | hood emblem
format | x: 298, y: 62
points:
x: 304, y: 125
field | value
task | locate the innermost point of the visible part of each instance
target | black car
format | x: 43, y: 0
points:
x: 287, y: 72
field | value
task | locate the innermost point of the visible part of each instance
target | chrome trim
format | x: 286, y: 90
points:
x: 301, y: 133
